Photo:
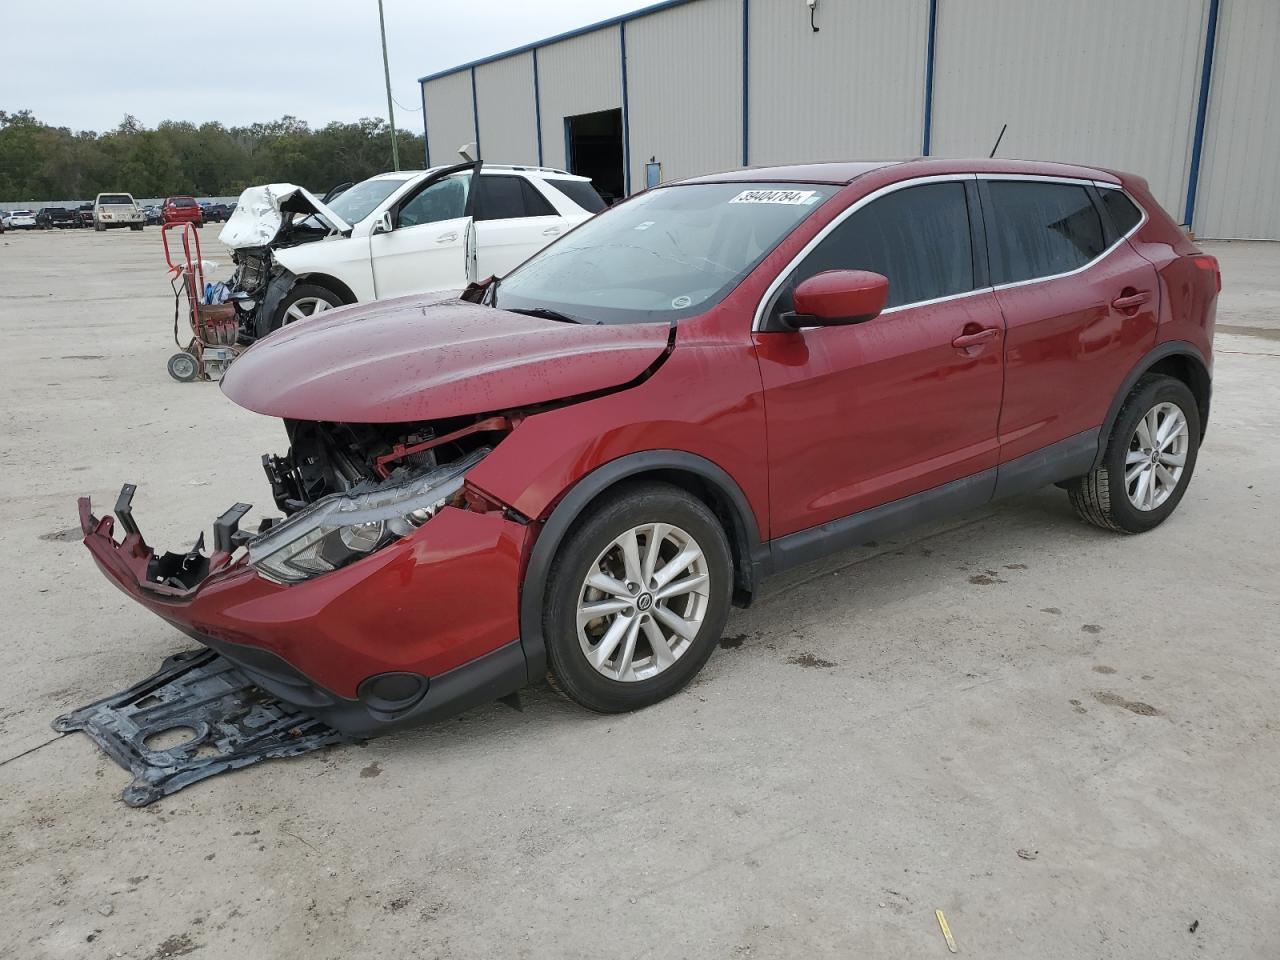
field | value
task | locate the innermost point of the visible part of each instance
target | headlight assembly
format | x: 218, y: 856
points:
x: 343, y: 527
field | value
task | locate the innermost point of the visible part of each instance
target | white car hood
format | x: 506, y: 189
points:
x: 260, y: 213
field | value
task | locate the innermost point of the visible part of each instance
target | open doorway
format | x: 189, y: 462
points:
x: 593, y: 148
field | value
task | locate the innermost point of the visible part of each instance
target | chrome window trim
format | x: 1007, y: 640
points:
x: 1096, y: 260
x: 758, y: 318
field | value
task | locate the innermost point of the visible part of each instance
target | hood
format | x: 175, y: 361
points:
x: 411, y: 359
x: 260, y: 214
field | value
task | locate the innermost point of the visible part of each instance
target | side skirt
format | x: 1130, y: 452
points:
x: 1059, y: 461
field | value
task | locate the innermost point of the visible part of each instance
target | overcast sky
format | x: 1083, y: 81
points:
x: 84, y: 64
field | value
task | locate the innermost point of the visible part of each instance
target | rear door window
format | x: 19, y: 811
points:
x: 535, y: 204
x: 1040, y: 229
x: 500, y: 198
x: 918, y: 237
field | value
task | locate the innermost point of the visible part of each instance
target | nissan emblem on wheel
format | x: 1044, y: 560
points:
x: 577, y: 470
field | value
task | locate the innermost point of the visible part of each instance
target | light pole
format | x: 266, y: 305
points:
x: 386, y: 70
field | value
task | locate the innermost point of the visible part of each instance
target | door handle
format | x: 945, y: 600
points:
x: 1131, y: 301
x: 551, y: 232
x: 446, y: 238
x: 975, y: 339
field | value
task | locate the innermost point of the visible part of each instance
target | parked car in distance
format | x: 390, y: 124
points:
x: 216, y: 213
x: 84, y: 215
x: 47, y: 218
x: 21, y: 220
x: 181, y: 210
x: 394, y: 234
x: 581, y: 467
x: 112, y: 210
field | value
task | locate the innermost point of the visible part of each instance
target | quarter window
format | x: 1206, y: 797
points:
x: 918, y: 237
x: 1041, y: 229
x: 1124, y: 215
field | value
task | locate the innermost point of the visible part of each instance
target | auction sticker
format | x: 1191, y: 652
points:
x: 793, y: 197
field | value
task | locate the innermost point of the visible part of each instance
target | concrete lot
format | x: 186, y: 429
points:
x: 880, y: 737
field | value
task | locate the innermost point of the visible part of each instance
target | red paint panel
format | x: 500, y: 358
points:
x: 399, y: 361
x: 861, y: 415
x: 1068, y: 350
x: 415, y: 605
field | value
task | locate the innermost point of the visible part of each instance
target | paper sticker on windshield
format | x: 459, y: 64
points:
x: 679, y: 303
x: 792, y: 197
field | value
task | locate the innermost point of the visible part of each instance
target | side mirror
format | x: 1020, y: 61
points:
x: 382, y: 224
x: 837, y: 297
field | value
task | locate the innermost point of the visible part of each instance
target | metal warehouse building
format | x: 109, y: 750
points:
x: 1182, y: 92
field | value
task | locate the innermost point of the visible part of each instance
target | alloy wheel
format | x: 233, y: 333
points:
x: 642, y: 602
x: 1157, y: 456
x: 305, y: 307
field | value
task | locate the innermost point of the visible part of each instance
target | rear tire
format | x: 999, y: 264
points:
x: 1143, y: 476
x: 652, y: 636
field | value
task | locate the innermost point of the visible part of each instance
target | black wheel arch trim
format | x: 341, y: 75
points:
x: 748, y: 553
x: 1161, y: 351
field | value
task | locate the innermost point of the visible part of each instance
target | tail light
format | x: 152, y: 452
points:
x: 1206, y: 262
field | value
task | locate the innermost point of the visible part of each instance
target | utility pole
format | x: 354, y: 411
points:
x: 386, y: 70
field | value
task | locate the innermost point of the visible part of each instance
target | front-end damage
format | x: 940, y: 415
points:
x: 324, y: 606
x: 271, y: 217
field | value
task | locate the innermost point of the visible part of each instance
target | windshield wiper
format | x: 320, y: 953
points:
x: 546, y: 314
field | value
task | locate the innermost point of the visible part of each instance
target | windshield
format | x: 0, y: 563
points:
x: 669, y: 253
x: 356, y: 203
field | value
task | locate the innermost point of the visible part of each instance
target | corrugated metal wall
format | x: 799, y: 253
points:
x: 450, y: 123
x: 1239, y: 193
x: 579, y: 75
x: 853, y: 90
x: 684, y: 83
x: 1109, y: 82
x: 1091, y: 81
x: 504, y: 91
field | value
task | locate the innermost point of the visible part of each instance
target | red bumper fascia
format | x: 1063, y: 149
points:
x: 426, y: 604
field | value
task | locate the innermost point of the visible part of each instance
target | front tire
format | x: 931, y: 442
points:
x: 304, y: 301
x: 1149, y: 459
x: 637, y: 598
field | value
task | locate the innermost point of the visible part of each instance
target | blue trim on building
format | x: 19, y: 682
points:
x: 537, y: 105
x: 626, y: 112
x: 567, y: 35
x: 568, y: 154
x: 475, y: 112
x: 928, y: 75
x: 746, y: 54
x: 1202, y: 112
x: 426, y: 138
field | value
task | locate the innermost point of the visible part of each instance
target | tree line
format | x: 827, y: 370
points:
x: 38, y: 161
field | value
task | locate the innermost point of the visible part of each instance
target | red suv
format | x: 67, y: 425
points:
x: 181, y: 210
x: 579, y: 467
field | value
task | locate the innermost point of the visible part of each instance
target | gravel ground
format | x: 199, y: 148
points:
x: 1064, y: 739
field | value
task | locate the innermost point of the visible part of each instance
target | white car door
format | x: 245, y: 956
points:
x: 425, y: 251
x: 513, y: 222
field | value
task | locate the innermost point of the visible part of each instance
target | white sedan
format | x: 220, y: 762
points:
x: 394, y: 234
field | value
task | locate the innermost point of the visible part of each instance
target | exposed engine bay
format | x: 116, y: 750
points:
x: 343, y: 458
x: 349, y: 489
